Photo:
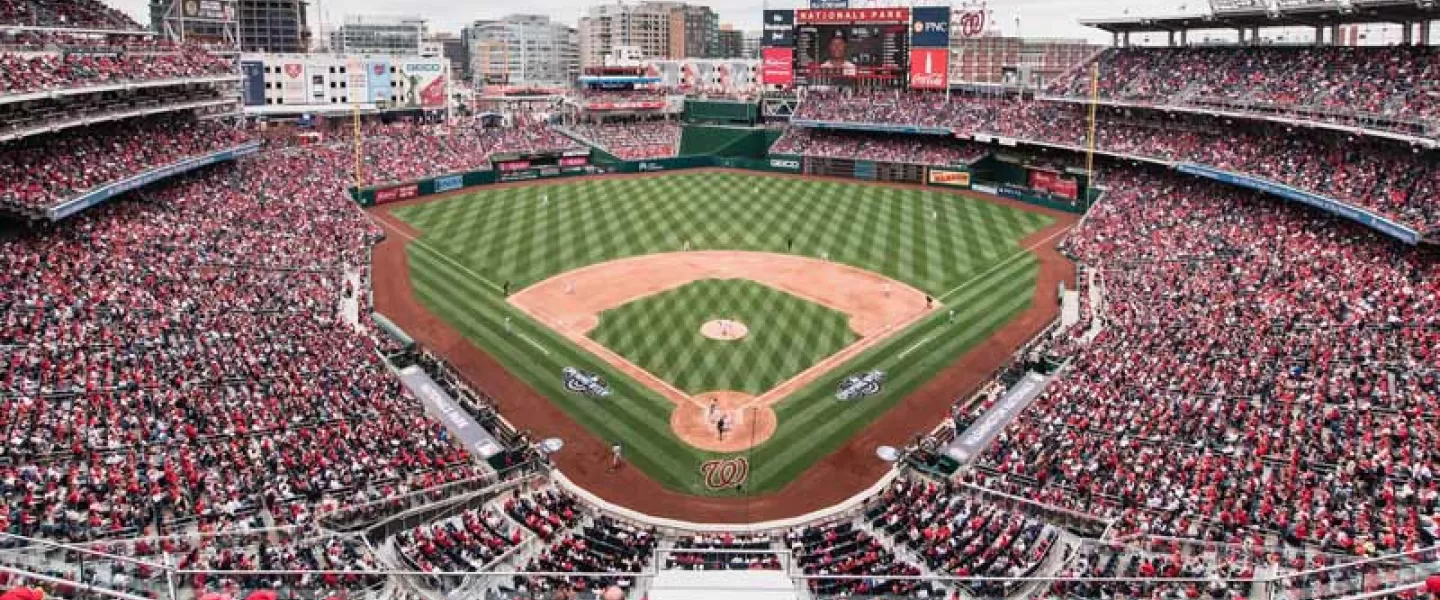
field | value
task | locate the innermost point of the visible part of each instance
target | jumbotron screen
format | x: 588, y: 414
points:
x: 866, y: 54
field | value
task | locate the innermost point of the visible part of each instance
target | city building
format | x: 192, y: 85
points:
x: 523, y: 49
x: 751, y: 44
x: 658, y: 29
x: 731, y: 42
x: 694, y: 32
x: 274, y: 26
x: 454, y: 49
x: 394, y: 36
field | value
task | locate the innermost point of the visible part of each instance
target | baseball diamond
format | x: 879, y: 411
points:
x: 961, y: 253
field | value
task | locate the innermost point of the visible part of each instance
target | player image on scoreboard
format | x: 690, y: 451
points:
x: 861, y: 54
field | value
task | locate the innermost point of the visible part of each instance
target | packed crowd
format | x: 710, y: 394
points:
x: 877, y: 147
x: 48, y: 115
x: 79, y: 68
x: 961, y: 535
x: 1387, y: 86
x: 73, y: 14
x: 181, y: 361
x: 1217, y: 404
x: 1388, y: 177
x: 603, y: 546
x: 640, y: 140
x: 40, y: 172
x: 407, y: 151
x: 470, y: 541
x: 1204, y: 577
x: 842, y: 548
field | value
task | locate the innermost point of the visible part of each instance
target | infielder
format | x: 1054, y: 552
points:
x: 722, y: 426
x: 713, y: 410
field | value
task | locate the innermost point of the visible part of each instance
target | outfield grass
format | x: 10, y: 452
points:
x: 965, y: 252
x: 661, y: 334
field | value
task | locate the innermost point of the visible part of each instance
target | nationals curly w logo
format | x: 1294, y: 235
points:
x: 972, y: 24
x: 725, y: 473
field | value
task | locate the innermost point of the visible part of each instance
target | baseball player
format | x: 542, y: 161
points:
x: 616, y: 452
x: 722, y: 426
x: 713, y: 410
x: 508, y: 329
x: 886, y: 288
x: 570, y: 286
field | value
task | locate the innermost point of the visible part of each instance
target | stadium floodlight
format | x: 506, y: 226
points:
x: 888, y: 454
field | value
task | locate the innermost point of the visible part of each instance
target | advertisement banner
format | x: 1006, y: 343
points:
x: 969, y: 24
x: 929, y: 68
x: 574, y: 161
x: 292, y: 83
x: 1054, y: 183
x: 829, y: 4
x: 625, y: 105
x: 949, y: 178
x: 777, y: 66
x: 427, y: 81
x: 315, y: 77
x: 791, y: 165
x: 779, y: 29
x: 355, y: 81
x: 397, y: 193
x: 851, y: 16
x: 930, y: 27
x: 514, y: 165
x: 208, y: 10
x: 252, y: 90
x: 378, y: 74
x: 448, y: 183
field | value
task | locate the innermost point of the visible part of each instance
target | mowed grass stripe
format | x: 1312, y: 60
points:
x: 514, y: 234
x: 822, y: 425
x: 633, y: 419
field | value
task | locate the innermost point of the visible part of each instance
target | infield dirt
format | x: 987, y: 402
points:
x: 833, y: 479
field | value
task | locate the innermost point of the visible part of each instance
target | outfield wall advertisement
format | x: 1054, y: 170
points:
x: 777, y: 66
x: 949, y: 178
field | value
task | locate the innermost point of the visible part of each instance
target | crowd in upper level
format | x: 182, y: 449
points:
x: 70, y: 14
x: 1217, y: 404
x: 1390, y: 87
x: 930, y: 150
x: 640, y: 140
x: 1390, y: 178
x: 85, y: 67
x: 406, y: 151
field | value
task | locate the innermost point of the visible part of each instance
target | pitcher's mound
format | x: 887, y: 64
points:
x: 725, y: 330
x: 746, y: 426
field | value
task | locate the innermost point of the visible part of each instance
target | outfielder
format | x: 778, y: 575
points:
x: 615, y: 456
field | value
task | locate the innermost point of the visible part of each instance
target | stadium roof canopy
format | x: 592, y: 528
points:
x: 1285, y: 13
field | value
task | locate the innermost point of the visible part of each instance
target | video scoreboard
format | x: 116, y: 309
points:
x: 857, y: 47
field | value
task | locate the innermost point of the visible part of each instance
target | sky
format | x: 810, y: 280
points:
x: 1037, y: 18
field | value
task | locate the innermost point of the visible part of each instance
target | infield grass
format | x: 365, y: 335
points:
x: 661, y: 334
x: 963, y: 251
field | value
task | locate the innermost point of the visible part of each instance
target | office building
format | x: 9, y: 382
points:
x: 658, y: 29
x: 394, y: 36
x: 274, y: 26
x: 523, y: 50
x: 731, y: 42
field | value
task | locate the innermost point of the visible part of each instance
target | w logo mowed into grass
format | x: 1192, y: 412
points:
x: 725, y: 473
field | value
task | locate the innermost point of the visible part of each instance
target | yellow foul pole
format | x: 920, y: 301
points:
x: 1090, y: 137
x: 359, y: 148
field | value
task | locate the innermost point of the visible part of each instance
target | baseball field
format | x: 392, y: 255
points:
x: 652, y: 309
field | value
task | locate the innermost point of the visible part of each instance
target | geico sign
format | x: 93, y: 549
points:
x: 784, y: 164
x: 423, y: 68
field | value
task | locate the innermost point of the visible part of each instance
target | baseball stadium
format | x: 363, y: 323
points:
x: 884, y: 301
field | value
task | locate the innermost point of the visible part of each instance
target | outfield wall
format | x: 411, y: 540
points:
x: 953, y: 177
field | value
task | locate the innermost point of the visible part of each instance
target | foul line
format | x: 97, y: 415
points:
x: 918, y: 344
x: 414, y: 240
x: 384, y: 223
x: 997, y: 266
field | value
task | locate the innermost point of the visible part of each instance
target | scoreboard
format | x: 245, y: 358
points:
x: 861, y: 54
x: 852, y: 47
